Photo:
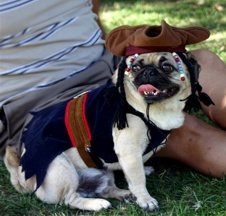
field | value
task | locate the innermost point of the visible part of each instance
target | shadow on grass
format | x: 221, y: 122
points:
x: 202, y: 13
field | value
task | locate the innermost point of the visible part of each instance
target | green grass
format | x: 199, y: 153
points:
x: 179, y: 190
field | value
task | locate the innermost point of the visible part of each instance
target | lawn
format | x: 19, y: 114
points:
x: 179, y: 190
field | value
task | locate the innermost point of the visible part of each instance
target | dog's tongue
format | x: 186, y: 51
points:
x: 147, y: 88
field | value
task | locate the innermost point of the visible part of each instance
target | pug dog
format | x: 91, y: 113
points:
x: 148, y: 92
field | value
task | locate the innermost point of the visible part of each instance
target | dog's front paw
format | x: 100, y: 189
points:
x: 150, y: 205
x: 148, y: 170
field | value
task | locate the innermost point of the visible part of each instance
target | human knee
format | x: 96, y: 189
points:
x: 203, y: 55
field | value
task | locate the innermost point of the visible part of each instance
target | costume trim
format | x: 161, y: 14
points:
x: 78, y: 129
x: 131, y: 50
x: 84, y: 118
x: 67, y: 124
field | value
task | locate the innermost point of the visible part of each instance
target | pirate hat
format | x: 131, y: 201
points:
x: 128, y: 40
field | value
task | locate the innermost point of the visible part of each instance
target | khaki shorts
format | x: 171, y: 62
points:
x: 17, y: 113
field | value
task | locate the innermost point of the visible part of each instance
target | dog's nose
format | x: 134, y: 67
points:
x: 149, y: 72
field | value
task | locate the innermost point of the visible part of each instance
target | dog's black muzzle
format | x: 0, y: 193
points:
x: 157, y: 85
x: 150, y: 75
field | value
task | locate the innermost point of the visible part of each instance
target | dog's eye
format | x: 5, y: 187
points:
x: 136, y: 68
x: 167, y: 68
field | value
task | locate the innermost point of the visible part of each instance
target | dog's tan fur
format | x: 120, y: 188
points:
x: 62, y: 177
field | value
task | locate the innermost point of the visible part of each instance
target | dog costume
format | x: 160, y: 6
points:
x: 86, y: 122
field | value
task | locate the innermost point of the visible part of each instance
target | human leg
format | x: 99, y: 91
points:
x: 197, y: 144
x: 212, y: 78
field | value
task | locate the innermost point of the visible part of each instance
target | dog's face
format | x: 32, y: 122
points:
x: 156, y: 78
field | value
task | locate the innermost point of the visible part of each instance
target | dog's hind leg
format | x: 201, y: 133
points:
x: 61, y: 184
x: 100, y: 182
x: 12, y: 162
x: 110, y: 190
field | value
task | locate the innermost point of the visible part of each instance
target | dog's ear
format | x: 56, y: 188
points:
x: 120, y: 117
x: 196, y: 66
x: 196, y: 89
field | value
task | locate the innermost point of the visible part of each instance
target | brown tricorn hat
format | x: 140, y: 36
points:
x: 128, y: 40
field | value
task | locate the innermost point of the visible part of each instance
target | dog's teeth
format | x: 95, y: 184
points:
x: 164, y: 90
x: 150, y: 93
